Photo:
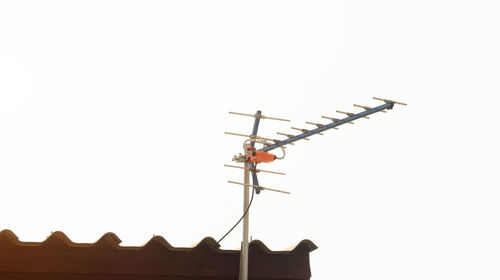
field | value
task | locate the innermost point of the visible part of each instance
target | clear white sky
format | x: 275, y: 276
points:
x: 112, y: 116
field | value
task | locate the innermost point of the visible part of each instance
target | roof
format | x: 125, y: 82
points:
x: 59, y: 258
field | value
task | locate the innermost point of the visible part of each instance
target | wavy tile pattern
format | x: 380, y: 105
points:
x: 59, y: 258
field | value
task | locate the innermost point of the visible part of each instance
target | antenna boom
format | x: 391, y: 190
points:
x: 386, y: 106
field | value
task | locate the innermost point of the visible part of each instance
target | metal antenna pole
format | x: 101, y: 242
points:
x: 244, y: 243
x: 246, y: 198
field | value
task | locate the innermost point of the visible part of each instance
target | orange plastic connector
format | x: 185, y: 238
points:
x: 257, y: 156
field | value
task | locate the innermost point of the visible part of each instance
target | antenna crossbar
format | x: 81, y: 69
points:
x: 258, y: 187
x: 304, y: 130
x: 289, y: 136
x: 319, y: 125
x: 350, y: 114
x: 253, y: 137
x: 390, y: 101
x: 256, y: 169
x: 259, y: 116
x: 334, y: 119
x: 244, y: 135
x: 367, y: 108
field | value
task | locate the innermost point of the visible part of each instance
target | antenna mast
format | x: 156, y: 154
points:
x: 253, y: 156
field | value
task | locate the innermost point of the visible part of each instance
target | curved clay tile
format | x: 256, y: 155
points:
x: 7, y: 236
x: 259, y: 245
x: 58, y: 239
x: 305, y: 244
x: 207, y: 242
x: 158, y: 242
x: 109, y: 239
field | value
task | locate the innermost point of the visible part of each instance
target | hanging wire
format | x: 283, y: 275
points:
x: 244, y: 214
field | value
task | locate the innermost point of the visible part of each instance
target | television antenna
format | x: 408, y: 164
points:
x: 253, y: 156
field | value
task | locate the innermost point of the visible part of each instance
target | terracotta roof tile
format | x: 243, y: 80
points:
x: 59, y: 258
